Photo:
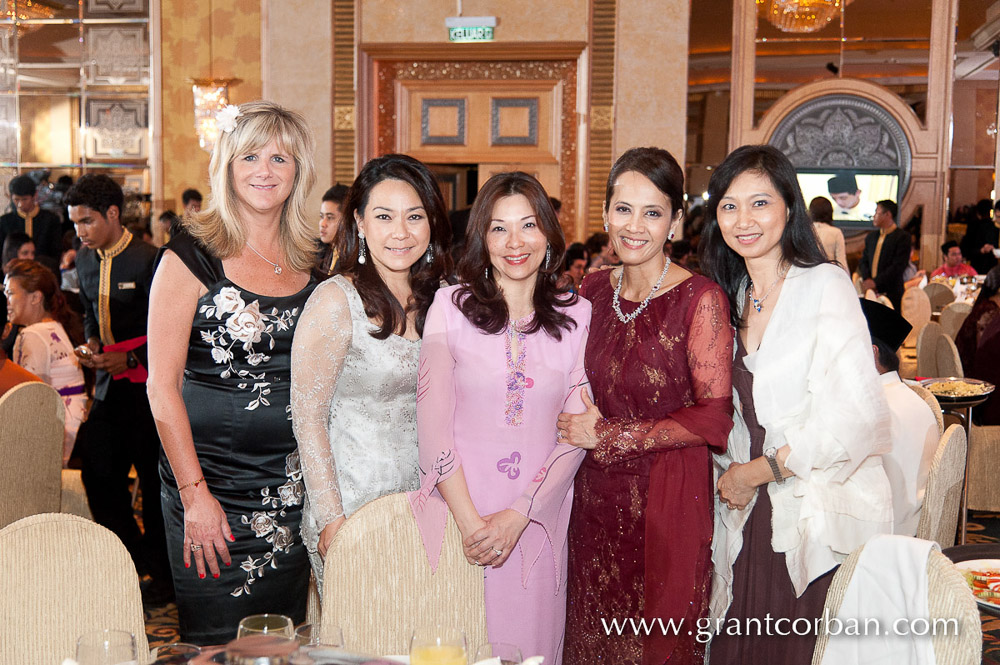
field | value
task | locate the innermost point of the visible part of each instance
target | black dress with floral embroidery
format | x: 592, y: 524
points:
x: 236, y: 390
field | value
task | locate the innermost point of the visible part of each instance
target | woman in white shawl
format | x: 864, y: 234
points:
x: 811, y: 419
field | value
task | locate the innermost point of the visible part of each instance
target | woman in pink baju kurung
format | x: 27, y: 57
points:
x: 487, y: 405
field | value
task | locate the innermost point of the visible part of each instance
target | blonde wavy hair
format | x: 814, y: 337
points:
x: 218, y: 227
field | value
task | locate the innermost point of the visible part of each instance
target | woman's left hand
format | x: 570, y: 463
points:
x: 734, y: 490
x: 579, y: 429
x: 492, y: 544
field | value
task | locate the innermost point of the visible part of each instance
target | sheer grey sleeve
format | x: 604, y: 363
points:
x: 322, y: 341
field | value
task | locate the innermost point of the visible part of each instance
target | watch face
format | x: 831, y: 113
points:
x: 770, y: 452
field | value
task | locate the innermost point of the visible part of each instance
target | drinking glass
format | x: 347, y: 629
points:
x: 178, y: 652
x: 507, y: 653
x: 437, y: 646
x: 266, y: 624
x: 310, y: 635
x: 106, y: 647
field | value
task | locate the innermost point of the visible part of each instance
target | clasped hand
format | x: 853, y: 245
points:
x: 492, y: 543
x: 579, y: 429
x: 734, y: 489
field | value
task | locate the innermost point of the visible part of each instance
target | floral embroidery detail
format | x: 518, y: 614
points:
x: 509, y: 465
x: 247, y: 326
x: 442, y: 466
x: 516, y: 381
x: 264, y: 524
x: 540, y: 476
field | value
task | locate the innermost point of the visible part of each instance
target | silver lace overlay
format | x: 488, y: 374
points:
x: 354, y: 409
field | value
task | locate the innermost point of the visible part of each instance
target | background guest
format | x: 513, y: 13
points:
x: 502, y: 357
x: 44, y: 346
x: 354, y: 374
x: 331, y: 214
x: 574, y: 267
x: 42, y: 226
x: 912, y: 425
x: 226, y: 300
x: 981, y: 237
x: 658, y: 359
x: 978, y: 342
x: 886, y: 254
x: 831, y: 239
x: 954, y: 265
x: 602, y: 253
x: 12, y: 374
x: 191, y: 200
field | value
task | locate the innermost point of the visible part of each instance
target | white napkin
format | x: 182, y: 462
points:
x: 70, y: 661
x: 489, y: 661
x: 534, y: 660
x: 923, y: 282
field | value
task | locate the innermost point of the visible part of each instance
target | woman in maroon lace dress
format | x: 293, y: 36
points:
x: 659, y: 361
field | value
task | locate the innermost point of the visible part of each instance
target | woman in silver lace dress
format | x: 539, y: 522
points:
x: 355, y: 352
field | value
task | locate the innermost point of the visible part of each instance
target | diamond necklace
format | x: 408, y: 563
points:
x: 618, y: 289
x: 277, y: 268
x: 759, y: 304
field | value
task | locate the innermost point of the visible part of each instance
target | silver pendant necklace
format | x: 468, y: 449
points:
x: 277, y: 268
x: 759, y: 304
x: 618, y: 289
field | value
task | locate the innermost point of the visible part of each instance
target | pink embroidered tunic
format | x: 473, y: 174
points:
x: 489, y: 407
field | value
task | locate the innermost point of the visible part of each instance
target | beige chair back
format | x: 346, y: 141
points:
x: 943, y: 494
x: 953, y: 316
x: 32, y: 419
x: 856, y: 278
x: 927, y: 349
x: 949, y: 363
x: 932, y: 402
x: 62, y: 576
x: 940, y: 295
x: 377, y: 568
x: 948, y: 597
x: 984, y: 451
x: 74, y: 495
x: 916, y: 309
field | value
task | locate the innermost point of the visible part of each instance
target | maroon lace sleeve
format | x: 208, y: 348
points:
x: 708, y: 419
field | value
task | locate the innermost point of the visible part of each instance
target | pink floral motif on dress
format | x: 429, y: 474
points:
x: 516, y: 380
x: 510, y: 465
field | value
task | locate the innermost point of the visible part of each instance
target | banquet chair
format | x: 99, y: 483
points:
x: 984, y: 450
x: 927, y: 349
x: 943, y: 494
x: 932, y: 402
x: 63, y: 576
x: 378, y: 585
x: 953, y: 316
x: 916, y: 309
x: 74, y: 495
x: 939, y: 294
x: 948, y: 597
x: 32, y: 419
x: 949, y: 363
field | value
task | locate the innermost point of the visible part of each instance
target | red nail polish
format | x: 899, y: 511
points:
x: 229, y: 563
x: 232, y: 539
x: 187, y: 565
x: 216, y: 576
x: 201, y: 575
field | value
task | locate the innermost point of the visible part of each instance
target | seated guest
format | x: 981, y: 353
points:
x: 574, y: 267
x: 987, y: 368
x: 985, y: 309
x: 17, y: 246
x: 331, y: 213
x: 42, y: 226
x: 45, y: 345
x: 12, y: 374
x: 602, y: 253
x: 954, y: 265
x: 912, y: 423
x: 831, y: 239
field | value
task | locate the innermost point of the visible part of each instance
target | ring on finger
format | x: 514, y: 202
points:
x: 497, y: 552
x: 195, y: 548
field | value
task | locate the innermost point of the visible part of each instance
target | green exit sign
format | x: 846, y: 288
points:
x: 480, y: 33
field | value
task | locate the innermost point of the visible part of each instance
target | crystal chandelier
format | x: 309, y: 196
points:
x: 210, y: 97
x: 800, y: 16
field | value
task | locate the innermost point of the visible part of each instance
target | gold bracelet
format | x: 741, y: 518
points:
x: 194, y: 483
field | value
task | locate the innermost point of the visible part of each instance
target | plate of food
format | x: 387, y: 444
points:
x: 983, y: 577
x: 956, y: 389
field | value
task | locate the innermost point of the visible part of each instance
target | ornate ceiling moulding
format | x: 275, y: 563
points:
x: 482, y: 51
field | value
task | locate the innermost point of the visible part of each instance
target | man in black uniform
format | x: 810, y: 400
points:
x: 116, y: 271
x: 42, y: 226
x: 886, y: 254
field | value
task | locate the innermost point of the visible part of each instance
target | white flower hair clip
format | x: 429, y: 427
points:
x: 226, y: 118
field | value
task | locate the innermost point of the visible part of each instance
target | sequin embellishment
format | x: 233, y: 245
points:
x: 516, y: 380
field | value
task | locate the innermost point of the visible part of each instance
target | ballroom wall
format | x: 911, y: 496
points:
x: 236, y: 53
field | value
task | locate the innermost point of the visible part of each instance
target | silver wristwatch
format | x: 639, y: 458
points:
x: 770, y: 455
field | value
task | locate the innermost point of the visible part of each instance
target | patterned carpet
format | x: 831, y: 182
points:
x: 161, y: 622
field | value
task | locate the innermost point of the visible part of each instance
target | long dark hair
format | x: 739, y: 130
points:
x: 798, y: 241
x: 480, y: 298
x: 33, y: 276
x: 425, y: 277
x: 656, y: 164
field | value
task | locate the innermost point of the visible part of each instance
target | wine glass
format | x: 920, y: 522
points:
x: 266, y: 624
x: 106, y: 647
x: 507, y: 653
x: 439, y: 645
x: 178, y: 652
x: 312, y: 635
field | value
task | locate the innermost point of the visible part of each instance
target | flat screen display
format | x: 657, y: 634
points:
x: 853, y: 193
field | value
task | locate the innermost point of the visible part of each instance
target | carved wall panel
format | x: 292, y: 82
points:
x: 442, y: 121
x: 514, y: 121
x: 117, y: 128
x: 844, y: 131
